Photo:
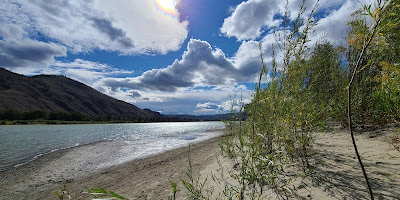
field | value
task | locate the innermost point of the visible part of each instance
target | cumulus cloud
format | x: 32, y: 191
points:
x: 84, y: 71
x: 105, y: 26
x: 224, y: 105
x: 234, y: 104
x: 247, y: 59
x: 208, y: 105
x: 135, y: 94
x: 126, y: 26
x: 16, y: 50
x: 249, y: 19
x: 28, y: 53
x: 333, y: 26
x: 253, y: 27
x: 149, y: 28
x: 188, y: 101
x: 200, y: 66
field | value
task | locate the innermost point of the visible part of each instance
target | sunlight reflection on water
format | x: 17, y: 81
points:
x: 20, y: 144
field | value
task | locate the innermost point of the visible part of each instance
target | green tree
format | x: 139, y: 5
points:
x: 363, y: 40
x: 376, y: 82
x: 326, y: 80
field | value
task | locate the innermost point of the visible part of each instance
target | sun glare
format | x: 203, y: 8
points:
x: 167, y: 6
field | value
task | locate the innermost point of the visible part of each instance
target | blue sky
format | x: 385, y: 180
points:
x: 172, y: 56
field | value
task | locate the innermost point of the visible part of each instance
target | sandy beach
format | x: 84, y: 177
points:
x: 337, y: 176
x: 150, y: 176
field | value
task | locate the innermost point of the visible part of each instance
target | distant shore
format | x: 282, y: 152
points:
x: 336, y: 176
x: 58, y: 122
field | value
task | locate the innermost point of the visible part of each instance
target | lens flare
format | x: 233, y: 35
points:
x: 167, y: 6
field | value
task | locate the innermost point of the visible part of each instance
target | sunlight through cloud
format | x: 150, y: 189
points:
x: 167, y: 6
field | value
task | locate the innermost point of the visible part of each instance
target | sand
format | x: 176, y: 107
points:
x: 149, y: 177
x: 337, y: 176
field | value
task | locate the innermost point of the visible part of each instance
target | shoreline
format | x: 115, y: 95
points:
x: 59, y: 122
x: 41, y: 177
x: 53, y: 151
x: 28, y: 155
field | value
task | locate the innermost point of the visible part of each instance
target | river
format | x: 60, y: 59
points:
x: 20, y: 144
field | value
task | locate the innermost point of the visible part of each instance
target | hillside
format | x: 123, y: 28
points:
x: 52, y: 93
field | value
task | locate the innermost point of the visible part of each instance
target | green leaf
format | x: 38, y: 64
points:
x: 98, y: 190
x: 116, y: 195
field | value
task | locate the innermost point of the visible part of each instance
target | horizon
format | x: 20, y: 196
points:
x: 187, y: 57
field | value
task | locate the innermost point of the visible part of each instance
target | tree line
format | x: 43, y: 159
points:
x: 13, y: 115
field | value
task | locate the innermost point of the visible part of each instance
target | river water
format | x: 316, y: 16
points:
x: 21, y: 144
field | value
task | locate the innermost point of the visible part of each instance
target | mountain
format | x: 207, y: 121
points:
x: 155, y: 113
x: 54, y: 93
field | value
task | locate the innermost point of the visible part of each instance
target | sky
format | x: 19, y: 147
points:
x: 171, y: 56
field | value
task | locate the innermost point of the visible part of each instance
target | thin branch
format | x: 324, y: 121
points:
x: 365, y: 46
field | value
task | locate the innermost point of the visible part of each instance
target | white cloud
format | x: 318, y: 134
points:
x: 209, y: 106
x: 124, y: 26
x: 149, y: 28
x: 250, y: 18
x: 234, y: 105
x: 333, y: 27
x: 84, y: 71
x: 248, y: 60
x: 186, y: 101
x: 252, y: 26
x: 200, y: 66
x: 204, y: 108
x: 225, y: 106
x: 28, y: 53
